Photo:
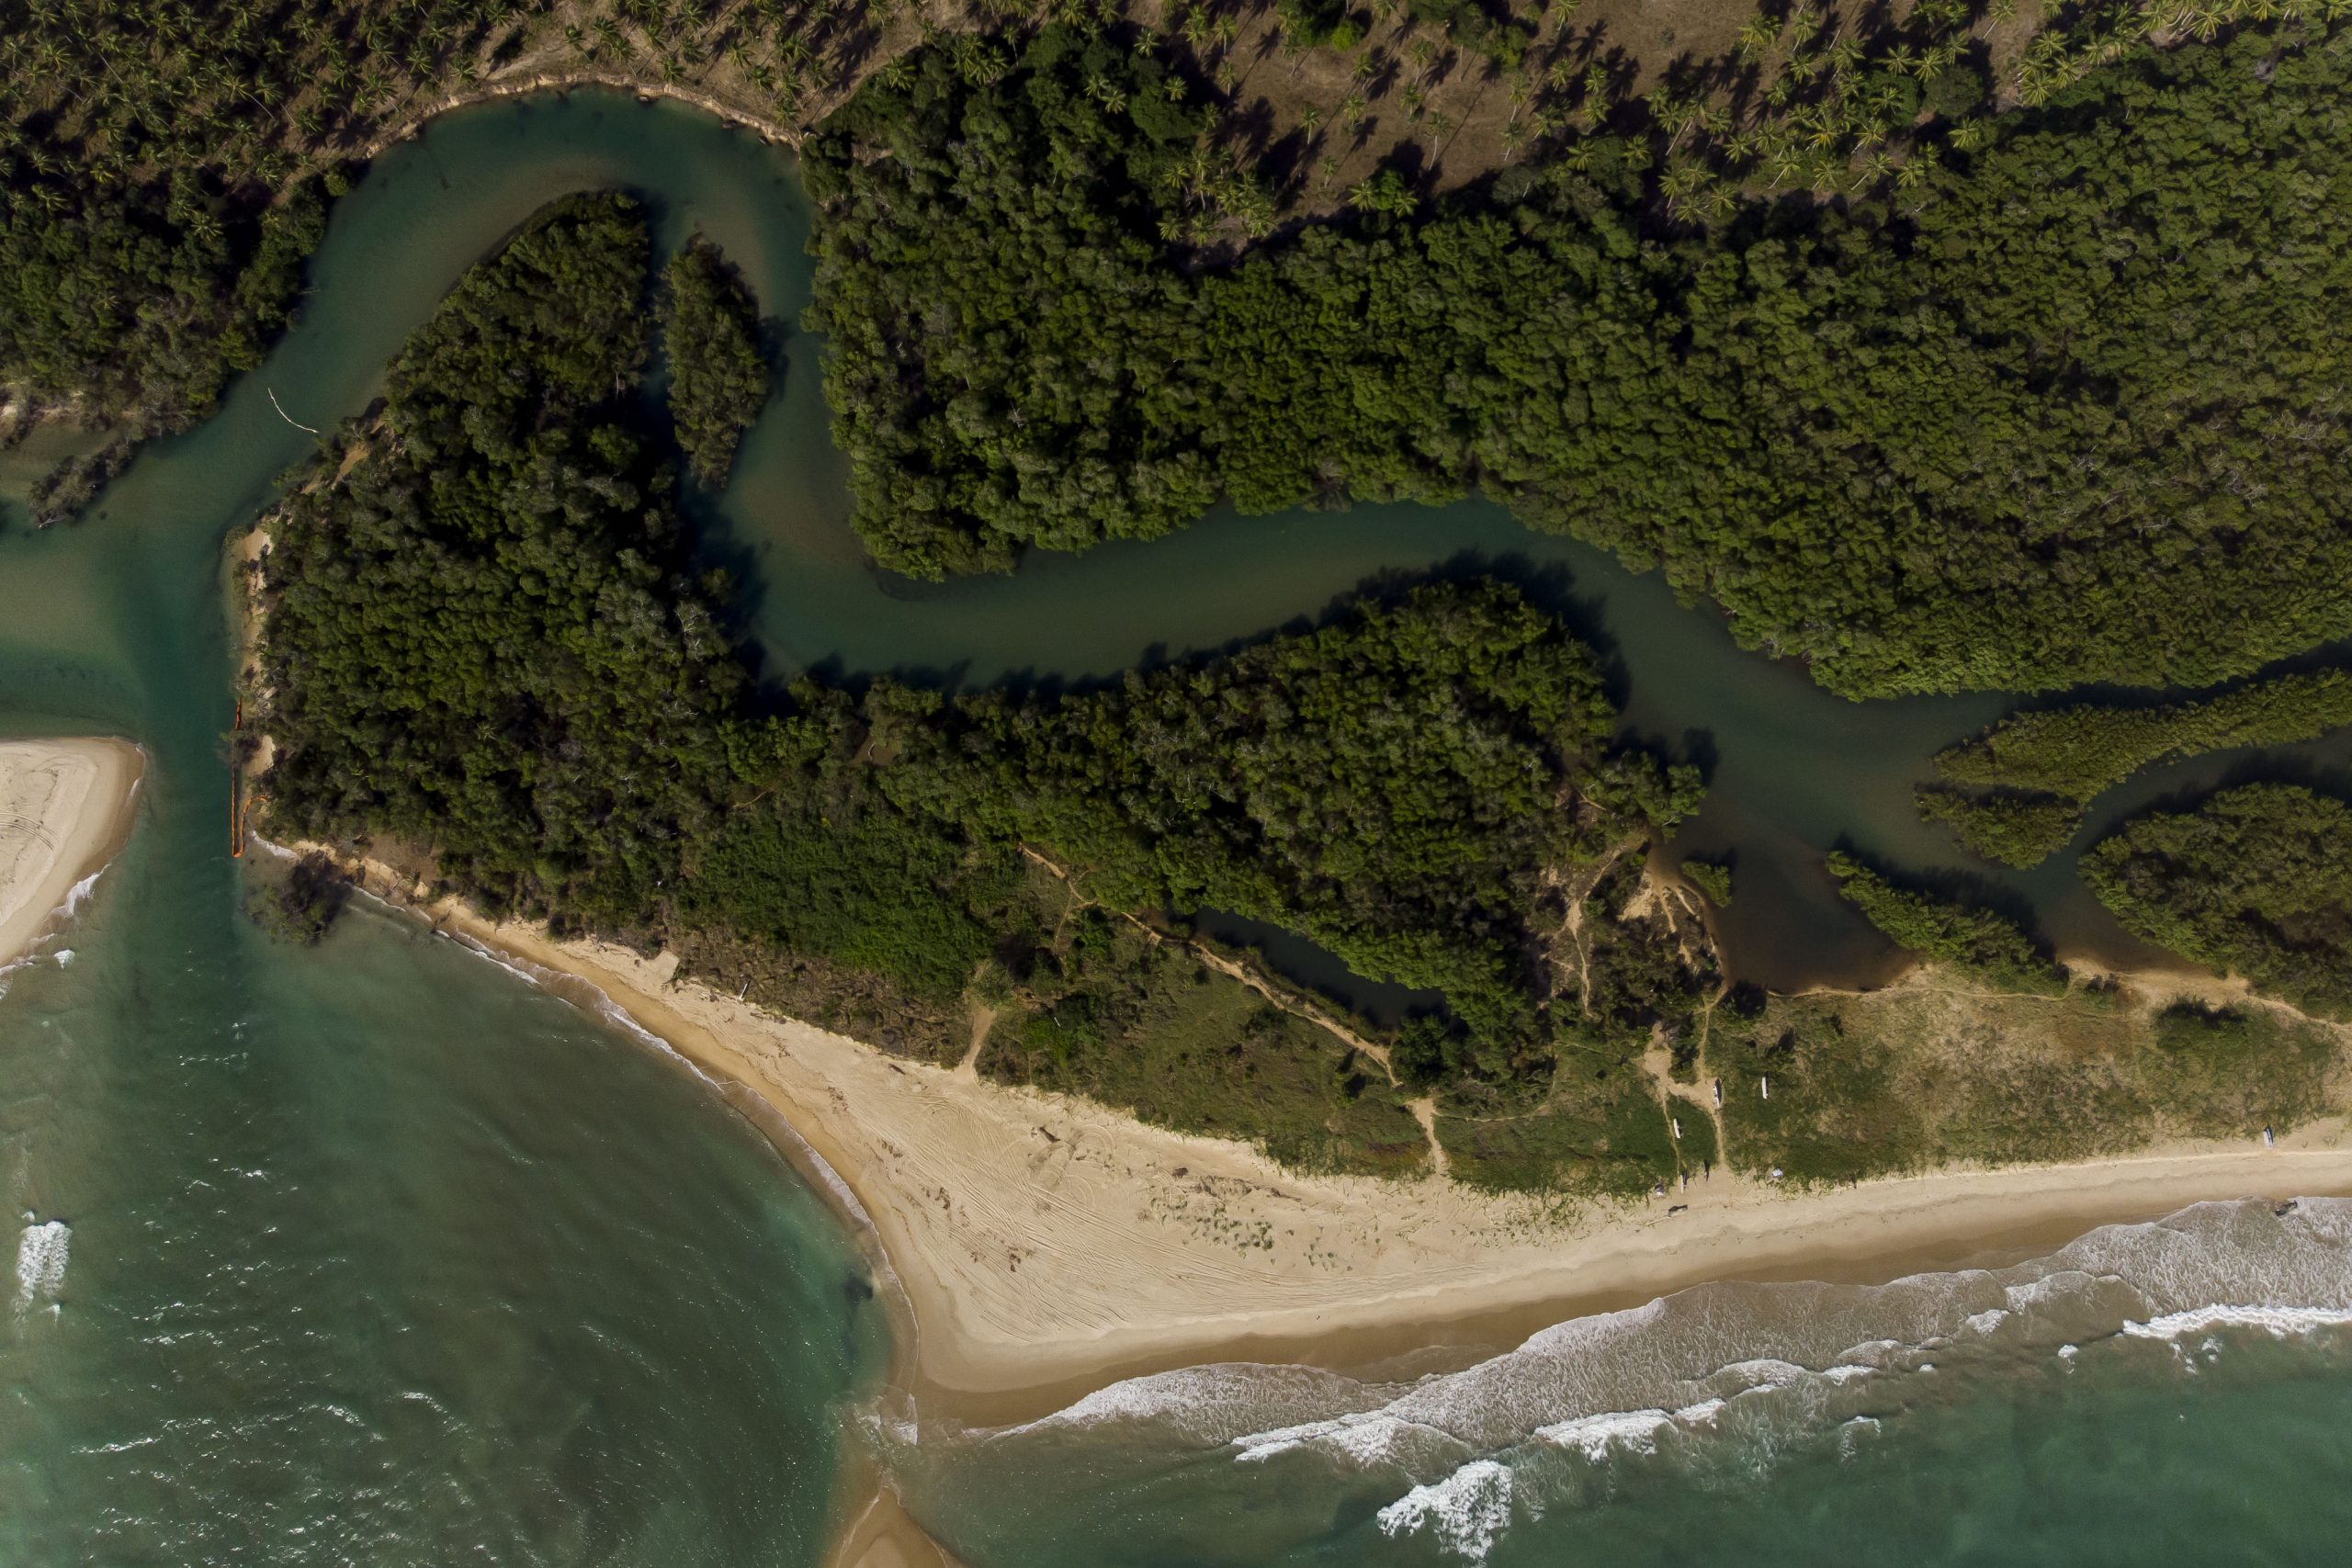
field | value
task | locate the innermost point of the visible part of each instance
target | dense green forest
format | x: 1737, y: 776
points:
x: 2030, y: 775
x: 484, y: 639
x: 1980, y: 942
x: 1983, y: 439
x: 719, y: 377
x: 2257, y: 881
x: 163, y: 162
x: 2018, y: 828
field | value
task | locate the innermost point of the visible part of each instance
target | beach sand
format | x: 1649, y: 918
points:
x: 65, y: 809
x: 1045, y: 1246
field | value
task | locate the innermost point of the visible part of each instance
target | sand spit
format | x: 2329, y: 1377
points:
x: 65, y: 809
x: 1045, y: 1246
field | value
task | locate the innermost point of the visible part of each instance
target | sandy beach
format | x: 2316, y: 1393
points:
x: 65, y: 809
x: 1045, y: 1246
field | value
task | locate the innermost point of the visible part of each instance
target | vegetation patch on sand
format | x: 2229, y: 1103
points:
x: 1143, y: 1026
x: 1838, y: 1086
x: 1978, y: 941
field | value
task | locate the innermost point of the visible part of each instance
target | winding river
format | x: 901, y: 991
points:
x: 364, y: 1264
x: 1793, y: 770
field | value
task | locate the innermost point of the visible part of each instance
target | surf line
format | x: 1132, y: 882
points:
x: 282, y: 413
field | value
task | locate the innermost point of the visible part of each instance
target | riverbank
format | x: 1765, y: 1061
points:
x: 65, y: 809
x: 1046, y: 1246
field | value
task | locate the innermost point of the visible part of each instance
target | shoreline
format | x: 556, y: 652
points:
x: 66, y: 808
x: 1045, y: 1247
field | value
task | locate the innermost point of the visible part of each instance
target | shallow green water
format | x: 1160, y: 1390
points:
x: 374, y: 1253
x: 377, y: 1255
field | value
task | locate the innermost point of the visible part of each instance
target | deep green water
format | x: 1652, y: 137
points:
x: 374, y: 1253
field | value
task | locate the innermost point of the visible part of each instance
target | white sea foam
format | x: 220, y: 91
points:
x: 79, y: 894
x: 1225, y: 1401
x: 1854, y: 1432
x: 1594, y: 1436
x: 2279, y: 1323
x: 75, y: 897
x: 40, y: 1262
x: 1464, y: 1512
x: 1361, y: 1439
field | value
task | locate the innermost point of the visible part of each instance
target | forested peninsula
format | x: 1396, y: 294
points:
x: 485, y: 638
x: 2017, y: 794
x: 487, y: 652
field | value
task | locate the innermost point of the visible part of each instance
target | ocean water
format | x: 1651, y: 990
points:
x: 373, y: 1254
x: 2165, y: 1393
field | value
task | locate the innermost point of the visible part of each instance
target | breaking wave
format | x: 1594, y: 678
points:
x: 1727, y: 1377
x: 41, y: 1249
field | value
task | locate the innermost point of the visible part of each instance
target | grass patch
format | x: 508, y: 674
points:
x: 2223, y: 1072
x: 1904, y: 1080
x: 1151, y: 1030
x: 1595, y: 1136
x: 1695, y: 1150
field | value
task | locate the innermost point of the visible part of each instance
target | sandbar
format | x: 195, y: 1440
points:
x: 65, y: 809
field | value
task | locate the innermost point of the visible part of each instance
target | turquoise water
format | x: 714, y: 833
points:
x: 374, y: 1253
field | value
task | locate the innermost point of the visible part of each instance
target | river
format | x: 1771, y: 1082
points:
x: 374, y: 1253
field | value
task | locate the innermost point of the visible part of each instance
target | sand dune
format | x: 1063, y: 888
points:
x: 65, y: 809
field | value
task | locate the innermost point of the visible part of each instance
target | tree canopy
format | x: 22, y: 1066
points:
x: 2255, y: 880
x: 719, y: 377
x: 2041, y: 767
x: 483, y: 638
x: 1990, y: 440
